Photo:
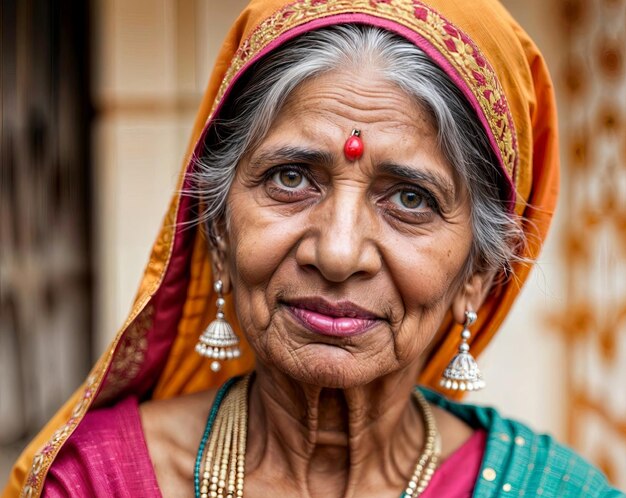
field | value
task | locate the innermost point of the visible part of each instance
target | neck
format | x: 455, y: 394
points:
x: 334, y: 442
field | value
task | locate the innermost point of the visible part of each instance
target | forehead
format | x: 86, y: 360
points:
x: 356, y: 99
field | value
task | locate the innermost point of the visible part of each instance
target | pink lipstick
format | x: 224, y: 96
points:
x: 341, y: 319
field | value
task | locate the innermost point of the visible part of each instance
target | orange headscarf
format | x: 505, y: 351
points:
x: 491, y: 60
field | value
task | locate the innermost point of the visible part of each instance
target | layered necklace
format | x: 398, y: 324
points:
x: 221, y: 460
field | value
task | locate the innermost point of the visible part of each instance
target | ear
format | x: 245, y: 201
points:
x: 218, y: 248
x: 471, y: 295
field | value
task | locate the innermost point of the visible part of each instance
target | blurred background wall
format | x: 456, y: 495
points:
x: 46, y: 259
x: 97, y: 107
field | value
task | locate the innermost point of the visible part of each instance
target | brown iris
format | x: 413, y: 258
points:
x: 410, y: 199
x: 291, y: 178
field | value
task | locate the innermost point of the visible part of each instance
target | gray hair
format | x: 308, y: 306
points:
x: 244, y: 121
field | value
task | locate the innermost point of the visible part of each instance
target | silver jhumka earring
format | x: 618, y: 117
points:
x: 219, y: 341
x: 462, y: 373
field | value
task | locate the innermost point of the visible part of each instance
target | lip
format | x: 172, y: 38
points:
x: 340, y: 319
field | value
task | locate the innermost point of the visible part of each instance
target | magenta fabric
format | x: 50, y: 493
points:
x: 107, y: 456
x: 456, y: 477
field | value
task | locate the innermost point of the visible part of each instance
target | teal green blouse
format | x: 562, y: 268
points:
x: 518, y: 462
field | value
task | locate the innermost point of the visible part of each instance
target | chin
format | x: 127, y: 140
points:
x: 327, y: 366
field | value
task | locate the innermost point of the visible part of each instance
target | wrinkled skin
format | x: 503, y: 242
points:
x: 390, y: 233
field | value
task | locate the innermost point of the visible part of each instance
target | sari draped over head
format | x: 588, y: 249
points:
x: 504, y: 78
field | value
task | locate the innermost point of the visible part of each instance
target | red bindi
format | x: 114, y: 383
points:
x: 353, y: 148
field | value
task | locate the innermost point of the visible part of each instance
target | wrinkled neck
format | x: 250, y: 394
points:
x: 334, y: 442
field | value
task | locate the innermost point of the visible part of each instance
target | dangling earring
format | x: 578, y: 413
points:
x: 462, y: 373
x: 218, y: 341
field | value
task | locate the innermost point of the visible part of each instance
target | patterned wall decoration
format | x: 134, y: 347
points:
x: 593, y: 107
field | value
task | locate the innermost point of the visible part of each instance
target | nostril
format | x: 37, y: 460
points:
x: 309, y: 267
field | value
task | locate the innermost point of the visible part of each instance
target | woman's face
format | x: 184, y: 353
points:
x: 343, y: 271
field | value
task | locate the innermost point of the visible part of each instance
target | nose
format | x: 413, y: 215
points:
x: 340, y: 241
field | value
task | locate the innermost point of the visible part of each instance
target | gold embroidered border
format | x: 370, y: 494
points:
x: 129, y: 357
x: 125, y: 365
x: 450, y: 42
x: 42, y: 460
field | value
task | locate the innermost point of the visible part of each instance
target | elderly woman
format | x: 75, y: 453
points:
x: 366, y: 187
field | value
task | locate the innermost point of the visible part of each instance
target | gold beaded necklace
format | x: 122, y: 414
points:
x: 225, y: 456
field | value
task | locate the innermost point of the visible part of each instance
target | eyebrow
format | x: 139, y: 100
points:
x: 294, y: 155
x: 412, y: 174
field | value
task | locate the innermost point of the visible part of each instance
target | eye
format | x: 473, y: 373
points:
x: 290, y: 178
x: 410, y: 199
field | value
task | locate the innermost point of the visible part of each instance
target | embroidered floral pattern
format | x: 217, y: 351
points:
x: 42, y: 460
x: 129, y: 357
x: 457, y: 48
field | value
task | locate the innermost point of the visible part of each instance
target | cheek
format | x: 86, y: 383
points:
x: 424, y: 278
x: 425, y: 273
x: 259, y: 247
x: 426, y: 269
x: 258, y: 244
